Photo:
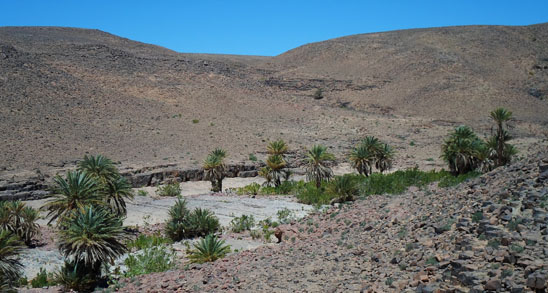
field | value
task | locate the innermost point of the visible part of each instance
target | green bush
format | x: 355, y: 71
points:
x: 147, y: 241
x: 449, y: 180
x: 75, y: 277
x: 171, y: 189
x: 242, y: 223
x: 343, y: 188
x: 310, y: 194
x: 250, y: 189
x: 202, y: 222
x: 208, y: 249
x: 42, y: 279
x: 150, y: 260
x: 185, y: 224
x: 142, y: 193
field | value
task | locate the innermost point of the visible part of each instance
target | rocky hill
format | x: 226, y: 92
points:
x: 487, y: 234
x: 65, y: 92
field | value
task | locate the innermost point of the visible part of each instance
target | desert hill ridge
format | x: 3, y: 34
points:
x: 65, y: 92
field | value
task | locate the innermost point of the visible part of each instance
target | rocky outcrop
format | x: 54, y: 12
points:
x: 155, y: 176
x: 38, y: 187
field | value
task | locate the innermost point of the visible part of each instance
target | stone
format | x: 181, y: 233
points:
x: 493, y: 285
x: 536, y: 281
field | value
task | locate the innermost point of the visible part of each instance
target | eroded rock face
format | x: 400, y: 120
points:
x: 487, y: 234
x: 38, y: 187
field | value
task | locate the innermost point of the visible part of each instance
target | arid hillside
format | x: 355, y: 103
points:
x: 66, y: 92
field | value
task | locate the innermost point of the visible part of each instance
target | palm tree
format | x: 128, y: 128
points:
x: 317, y: 169
x: 462, y: 150
x: 276, y: 164
x: 266, y: 173
x: 10, y: 265
x: 29, y: 228
x: 92, y: 237
x: 502, y: 116
x: 371, y: 143
x: 384, y: 158
x: 115, y: 194
x: 178, y: 217
x: 361, y: 159
x: 277, y: 147
x: 214, y: 167
x: 76, y: 191
x: 99, y: 167
x: 343, y: 188
x: 208, y: 249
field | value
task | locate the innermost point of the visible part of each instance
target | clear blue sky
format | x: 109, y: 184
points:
x: 261, y: 27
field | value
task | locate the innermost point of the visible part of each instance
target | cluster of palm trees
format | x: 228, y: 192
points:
x: 464, y: 151
x: 17, y: 228
x: 372, y: 152
x: 89, y: 206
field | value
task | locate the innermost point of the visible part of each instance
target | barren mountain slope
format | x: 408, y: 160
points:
x: 454, y: 72
x: 65, y: 92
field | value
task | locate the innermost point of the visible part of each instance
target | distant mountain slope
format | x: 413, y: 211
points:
x: 65, y: 92
x: 440, y: 72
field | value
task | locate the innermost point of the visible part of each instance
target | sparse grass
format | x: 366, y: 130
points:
x: 242, y: 223
x: 195, y: 121
x: 431, y: 261
x: 252, y: 158
x: 477, y: 216
x: 285, y: 216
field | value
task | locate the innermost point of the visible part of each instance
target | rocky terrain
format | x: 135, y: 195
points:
x: 66, y: 92
x: 487, y: 234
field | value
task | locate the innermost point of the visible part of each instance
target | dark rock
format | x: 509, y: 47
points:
x: 493, y: 285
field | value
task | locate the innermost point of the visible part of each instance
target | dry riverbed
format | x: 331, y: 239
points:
x: 151, y: 209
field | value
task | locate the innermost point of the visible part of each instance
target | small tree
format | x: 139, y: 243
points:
x: 317, y: 169
x: 92, y: 237
x: 462, y: 150
x: 504, y: 151
x: 214, y: 168
x: 276, y: 164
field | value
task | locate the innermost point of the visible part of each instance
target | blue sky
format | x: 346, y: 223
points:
x: 261, y: 27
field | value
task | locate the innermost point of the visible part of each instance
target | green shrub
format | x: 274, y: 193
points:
x: 75, y: 277
x: 171, y: 189
x: 477, y: 216
x: 252, y: 158
x: 242, y: 223
x: 150, y: 260
x: 208, y: 249
x: 185, y: 224
x: 448, y: 180
x: 142, y: 193
x: 202, y: 222
x: 251, y: 189
x: 343, y: 188
x: 147, y: 241
x: 41, y: 280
